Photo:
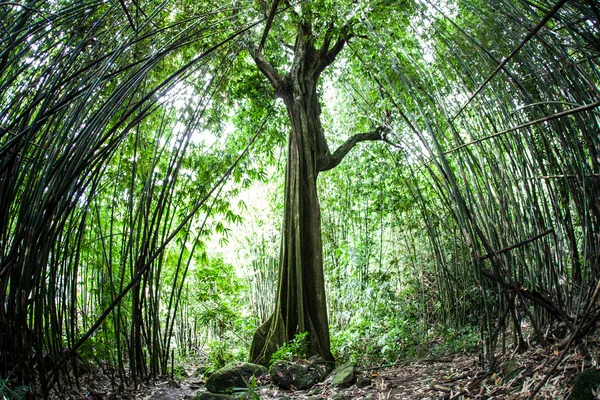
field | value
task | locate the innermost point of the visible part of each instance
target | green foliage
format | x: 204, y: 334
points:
x: 179, y: 372
x: 215, y: 300
x: 586, y: 385
x: 98, y: 347
x: 387, y: 323
x: 294, y: 349
x: 250, y: 392
x: 401, y: 339
x: 9, y: 391
x: 219, y: 354
x: 447, y: 341
x: 384, y: 326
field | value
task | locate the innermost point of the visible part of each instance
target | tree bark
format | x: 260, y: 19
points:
x: 300, y: 301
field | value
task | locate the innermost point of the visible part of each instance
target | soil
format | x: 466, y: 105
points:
x: 514, y: 376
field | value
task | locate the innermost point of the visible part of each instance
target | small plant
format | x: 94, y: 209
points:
x: 586, y: 385
x: 455, y: 341
x: 178, y: 373
x: 219, y: 354
x: 9, y: 393
x: 250, y: 391
x: 294, y: 349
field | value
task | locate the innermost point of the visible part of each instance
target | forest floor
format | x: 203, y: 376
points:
x: 515, y: 376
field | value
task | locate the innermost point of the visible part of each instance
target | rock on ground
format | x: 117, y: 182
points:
x: 233, y: 375
x: 323, y: 368
x: 344, y: 376
x: 363, y: 382
x: 288, y: 374
x: 300, y: 374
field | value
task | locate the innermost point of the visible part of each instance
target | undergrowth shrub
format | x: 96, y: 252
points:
x: 389, y: 323
x: 296, y: 348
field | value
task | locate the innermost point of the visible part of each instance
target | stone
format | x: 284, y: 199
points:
x: 344, y: 376
x: 233, y: 376
x: 363, y: 382
x: 212, y: 396
x: 288, y: 374
x: 323, y: 368
x: 584, y: 383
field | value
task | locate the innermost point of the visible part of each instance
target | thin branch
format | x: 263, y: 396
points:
x: 263, y: 8
x: 596, y: 176
x: 328, y: 55
x: 266, y: 68
x: 141, y: 10
x: 334, y: 51
x: 15, y: 4
x: 514, y: 246
x: 525, y: 125
x: 287, y: 45
x: 128, y: 16
x: 261, y: 62
x: 569, y: 343
x: 332, y: 160
x: 291, y: 7
x: 269, y: 23
x: 535, y: 296
x: 327, y: 38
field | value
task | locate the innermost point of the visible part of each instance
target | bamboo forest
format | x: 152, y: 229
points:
x: 299, y: 199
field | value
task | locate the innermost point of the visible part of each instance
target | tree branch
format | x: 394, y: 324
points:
x: 327, y: 38
x: 291, y: 8
x: 332, y: 160
x: 288, y: 46
x: 328, y: 55
x: 128, y: 16
x: 269, y: 23
x: 263, y: 8
x: 266, y: 68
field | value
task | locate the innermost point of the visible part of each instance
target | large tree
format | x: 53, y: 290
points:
x: 300, y: 301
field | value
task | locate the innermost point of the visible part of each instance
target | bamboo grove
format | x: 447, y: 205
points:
x: 118, y: 163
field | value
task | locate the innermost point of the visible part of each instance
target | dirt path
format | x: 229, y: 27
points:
x: 459, y: 377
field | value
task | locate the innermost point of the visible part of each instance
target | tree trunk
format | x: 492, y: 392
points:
x: 300, y: 302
